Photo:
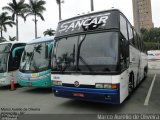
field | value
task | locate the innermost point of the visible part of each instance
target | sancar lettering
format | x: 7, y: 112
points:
x: 84, y: 22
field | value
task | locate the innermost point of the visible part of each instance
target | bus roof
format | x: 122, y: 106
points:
x: 90, y: 22
x: 90, y: 13
x: 13, y: 42
x: 42, y: 39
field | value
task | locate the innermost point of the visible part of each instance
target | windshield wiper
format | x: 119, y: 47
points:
x: 81, y: 58
x: 84, y: 62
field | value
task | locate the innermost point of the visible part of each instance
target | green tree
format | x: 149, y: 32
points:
x: 2, y: 39
x: 151, y: 38
x: 17, y: 9
x: 5, y: 21
x: 36, y: 8
x: 49, y: 32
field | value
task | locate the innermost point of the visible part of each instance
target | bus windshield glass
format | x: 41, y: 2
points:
x: 4, y: 52
x: 34, y: 58
x: 4, y: 48
x: 96, y: 52
x: 3, y: 62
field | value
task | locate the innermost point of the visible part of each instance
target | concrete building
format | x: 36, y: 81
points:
x: 142, y: 14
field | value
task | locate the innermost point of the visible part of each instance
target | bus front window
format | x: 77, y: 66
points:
x: 4, y: 52
x: 65, y: 54
x: 96, y: 52
x: 3, y: 62
x: 99, y: 51
x: 34, y: 58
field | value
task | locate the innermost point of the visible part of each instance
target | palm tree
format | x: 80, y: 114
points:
x: 5, y: 20
x: 2, y: 39
x: 36, y: 8
x: 59, y: 4
x: 17, y: 9
x: 12, y: 38
x: 92, y: 5
x: 49, y: 32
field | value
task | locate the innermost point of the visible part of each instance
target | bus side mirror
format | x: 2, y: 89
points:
x: 15, y: 51
x: 48, y: 49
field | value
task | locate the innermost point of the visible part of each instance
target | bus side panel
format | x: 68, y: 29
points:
x: 143, y: 64
x: 12, y: 75
x: 124, y: 85
x: 4, y: 79
x: 123, y: 80
x: 134, y: 63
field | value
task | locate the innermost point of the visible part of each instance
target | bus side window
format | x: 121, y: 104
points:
x: 130, y: 35
x: 124, y: 54
x: 123, y: 27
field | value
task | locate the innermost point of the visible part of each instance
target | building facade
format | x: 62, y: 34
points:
x: 142, y: 14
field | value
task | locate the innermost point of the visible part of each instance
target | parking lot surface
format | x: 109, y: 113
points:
x: 42, y: 101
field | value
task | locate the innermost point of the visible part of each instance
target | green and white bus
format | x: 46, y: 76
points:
x: 34, y: 68
x: 10, y: 55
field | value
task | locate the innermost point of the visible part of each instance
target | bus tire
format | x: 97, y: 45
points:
x: 145, y: 72
x: 131, y: 84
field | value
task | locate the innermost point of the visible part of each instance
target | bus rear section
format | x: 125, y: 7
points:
x: 34, y: 68
x: 92, y: 58
x: 10, y: 54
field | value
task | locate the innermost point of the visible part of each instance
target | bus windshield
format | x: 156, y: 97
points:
x: 4, y: 52
x: 34, y: 58
x: 4, y: 48
x: 96, y: 52
x: 3, y: 62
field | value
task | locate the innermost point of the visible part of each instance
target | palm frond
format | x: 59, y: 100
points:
x: 14, y: 2
x: 8, y: 8
x: 58, y: 1
x: 41, y: 16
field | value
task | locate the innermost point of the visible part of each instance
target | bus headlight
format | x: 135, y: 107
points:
x: 99, y: 85
x: 57, y: 83
x: 106, y: 86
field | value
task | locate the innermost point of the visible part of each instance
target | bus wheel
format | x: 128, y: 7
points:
x: 145, y: 73
x: 131, y: 84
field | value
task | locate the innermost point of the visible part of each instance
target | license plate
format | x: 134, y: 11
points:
x: 29, y: 84
x: 78, y: 94
x: 34, y: 74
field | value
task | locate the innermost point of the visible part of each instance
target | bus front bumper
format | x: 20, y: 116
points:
x: 41, y: 83
x: 4, y: 82
x: 108, y: 96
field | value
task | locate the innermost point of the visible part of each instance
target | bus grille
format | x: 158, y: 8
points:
x: 80, y: 86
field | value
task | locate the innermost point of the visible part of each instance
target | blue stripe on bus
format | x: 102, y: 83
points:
x: 96, y: 95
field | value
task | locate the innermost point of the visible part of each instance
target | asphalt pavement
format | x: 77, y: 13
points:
x: 42, y: 101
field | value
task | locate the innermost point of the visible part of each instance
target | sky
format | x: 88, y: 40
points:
x: 70, y: 8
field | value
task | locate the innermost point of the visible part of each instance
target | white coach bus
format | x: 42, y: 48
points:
x: 97, y: 57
